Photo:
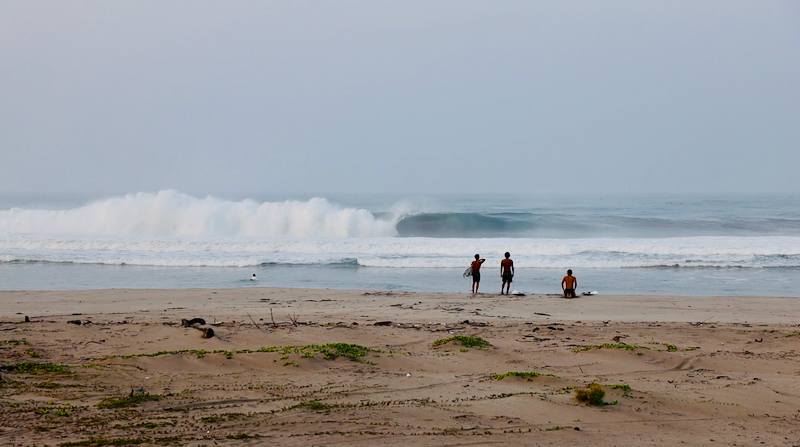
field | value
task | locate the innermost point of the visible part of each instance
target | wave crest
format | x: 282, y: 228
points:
x: 170, y: 213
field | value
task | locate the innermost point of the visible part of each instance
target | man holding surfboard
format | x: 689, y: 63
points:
x: 476, y: 273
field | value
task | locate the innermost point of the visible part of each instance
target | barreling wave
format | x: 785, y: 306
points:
x: 550, y: 225
x: 170, y: 213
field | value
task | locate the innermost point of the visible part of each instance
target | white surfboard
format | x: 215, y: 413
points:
x: 467, y: 272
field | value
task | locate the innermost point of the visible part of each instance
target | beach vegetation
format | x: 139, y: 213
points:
x: 292, y: 363
x: 466, y: 341
x: 35, y: 368
x: 99, y: 442
x: 610, y: 346
x: 626, y: 389
x: 127, y: 401
x: 7, y: 344
x: 311, y: 405
x: 592, y: 395
x: 212, y: 419
x: 330, y: 351
x: 793, y: 335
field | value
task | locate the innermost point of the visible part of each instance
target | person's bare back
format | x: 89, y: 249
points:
x: 569, y: 284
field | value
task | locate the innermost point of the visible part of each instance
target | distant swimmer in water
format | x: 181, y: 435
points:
x: 254, y: 277
x: 569, y: 284
x: 476, y: 273
x: 506, y: 272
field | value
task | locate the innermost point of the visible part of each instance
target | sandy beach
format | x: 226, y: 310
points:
x: 333, y: 367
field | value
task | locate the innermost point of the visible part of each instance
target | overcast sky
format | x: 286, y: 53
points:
x: 423, y: 97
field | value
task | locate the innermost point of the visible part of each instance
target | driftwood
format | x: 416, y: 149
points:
x: 192, y: 322
x: 383, y: 323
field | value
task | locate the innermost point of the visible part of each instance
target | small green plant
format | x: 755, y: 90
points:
x: 9, y: 343
x: 292, y: 363
x: 466, y: 341
x: 311, y: 405
x: 32, y: 353
x: 464, y: 350
x: 62, y: 413
x: 610, y: 346
x: 99, y: 442
x: 793, y: 335
x: 621, y: 386
x: 212, y: 419
x: 592, y: 395
x: 47, y: 385
x: 127, y: 401
x: 34, y: 368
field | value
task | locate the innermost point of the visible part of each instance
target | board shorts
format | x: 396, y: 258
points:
x: 569, y: 292
x: 476, y: 277
x: 507, y: 275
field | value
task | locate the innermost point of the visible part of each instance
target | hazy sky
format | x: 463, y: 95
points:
x: 404, y: 96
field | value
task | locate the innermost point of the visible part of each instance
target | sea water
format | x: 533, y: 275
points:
x: 685, y: 245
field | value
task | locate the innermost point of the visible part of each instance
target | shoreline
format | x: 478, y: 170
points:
x: 412, y: 305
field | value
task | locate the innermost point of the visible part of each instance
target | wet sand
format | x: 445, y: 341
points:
x: 312, y: 367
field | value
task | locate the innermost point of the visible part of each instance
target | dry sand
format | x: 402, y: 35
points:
x: 701, y: 371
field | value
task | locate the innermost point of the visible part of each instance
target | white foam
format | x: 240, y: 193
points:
x: 170, y: 213
x: 174, y: 229
x: 393, y: 252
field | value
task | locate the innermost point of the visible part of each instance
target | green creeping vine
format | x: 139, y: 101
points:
x: 465, y: 341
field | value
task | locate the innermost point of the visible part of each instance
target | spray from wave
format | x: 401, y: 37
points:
x: 170, y: 213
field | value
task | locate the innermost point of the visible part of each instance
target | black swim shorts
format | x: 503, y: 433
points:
x: 569, y: 292
x: 476, y: 277
x: 507, y: 275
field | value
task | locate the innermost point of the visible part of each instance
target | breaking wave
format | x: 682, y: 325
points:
x: 170, y: 213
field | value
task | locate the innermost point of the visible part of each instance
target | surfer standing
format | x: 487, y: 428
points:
x: 569, y: 284
x: 506, y: 272
x: 476, y: 273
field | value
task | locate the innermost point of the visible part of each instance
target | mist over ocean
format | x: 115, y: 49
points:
x: 687, y: 245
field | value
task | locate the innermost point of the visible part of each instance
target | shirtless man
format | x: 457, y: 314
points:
x: 506, y: 272
x: 476, y: 273
x: 569, y: 284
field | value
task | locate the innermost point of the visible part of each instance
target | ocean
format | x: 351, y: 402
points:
x: 681, y: 245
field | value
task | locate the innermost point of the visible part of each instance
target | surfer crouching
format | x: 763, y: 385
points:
x: 569, y: 284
